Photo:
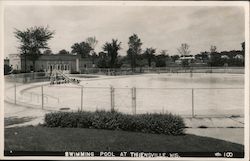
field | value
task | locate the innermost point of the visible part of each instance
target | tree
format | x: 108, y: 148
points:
x: 216, y: 60
x: 243, y: 48
x: 112, y: 51
x: 215, y: 57
x: 63, y: 52
x: 213, y: 49
x: 175, y: 57
x: 82, y: 49
x: 184, y: 49
x: 162, y: 59
x: 32, y: 41
x: 94, y: 57
x: 103, y: 60
x: 7, y: 69
x: 47, y: 52
x: 92, y: 43
x: 134, y: 49
x: 164, y: 52
x: 185, y: 63
x: 149, y: 53
x: 203, y: 56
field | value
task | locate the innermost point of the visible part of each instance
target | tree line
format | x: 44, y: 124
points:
x: 33, y: 42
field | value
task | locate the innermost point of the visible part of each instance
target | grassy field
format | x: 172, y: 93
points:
x: 76, y: 139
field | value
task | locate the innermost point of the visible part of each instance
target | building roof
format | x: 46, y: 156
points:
x: 238, y: 56
x: 187, y: 57
x: 55, y: 57
x: 225, y: 56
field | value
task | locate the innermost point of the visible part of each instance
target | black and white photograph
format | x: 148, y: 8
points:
x: 125, y: 80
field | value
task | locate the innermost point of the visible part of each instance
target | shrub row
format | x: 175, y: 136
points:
x: 168, y: 124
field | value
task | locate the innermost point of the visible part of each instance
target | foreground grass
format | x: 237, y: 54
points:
x: 77, y: 139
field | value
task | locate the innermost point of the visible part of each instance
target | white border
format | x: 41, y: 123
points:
x: 247, y: 81
x: 244, y: 4
x: 1, y: 81
x: 126, y: 3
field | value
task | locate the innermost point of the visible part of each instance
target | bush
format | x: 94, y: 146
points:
x: 168, y: 124
x: 7, y: 69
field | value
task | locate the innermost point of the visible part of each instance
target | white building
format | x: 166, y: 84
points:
x: 15, y: 61
x: 187, y: 57
x: 238, y: 56
x: 224, y: 57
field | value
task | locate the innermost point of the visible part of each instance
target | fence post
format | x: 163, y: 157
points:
x: 112, y: 96
x: 15, y: 93
x: 42, y: 95
x: 81, y: 97
x: 134, y: 100
x: 192, y: 102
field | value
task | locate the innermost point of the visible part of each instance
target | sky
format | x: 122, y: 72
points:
x: 160, y: 27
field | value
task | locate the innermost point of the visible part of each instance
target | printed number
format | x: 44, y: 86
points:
x: 228, y: 154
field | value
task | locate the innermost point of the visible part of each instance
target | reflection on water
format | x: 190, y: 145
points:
x: 183, y: 80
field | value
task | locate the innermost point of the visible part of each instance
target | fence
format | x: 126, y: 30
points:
x: 35, y: 91
x: 168, y: 69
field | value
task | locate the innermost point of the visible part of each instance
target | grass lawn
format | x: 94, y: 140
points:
x: 76, y: 139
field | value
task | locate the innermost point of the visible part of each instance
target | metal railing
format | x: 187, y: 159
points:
x: 136, y: 100
x: 168, y: 69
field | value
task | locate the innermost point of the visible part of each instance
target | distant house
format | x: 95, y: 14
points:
x: 224, y: 57
x: 239, y: 56
x: 187, y: 57
x: 178, y: 61
x: 15, y: 61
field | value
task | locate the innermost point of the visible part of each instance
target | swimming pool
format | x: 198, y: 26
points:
x: 204, y: 93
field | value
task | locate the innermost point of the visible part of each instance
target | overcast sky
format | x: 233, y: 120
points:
x: 163, y: 28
